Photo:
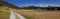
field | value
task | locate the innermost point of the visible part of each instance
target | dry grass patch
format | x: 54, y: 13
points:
x: 39, y: 15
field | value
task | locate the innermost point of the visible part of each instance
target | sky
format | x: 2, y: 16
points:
x: 22, y: 3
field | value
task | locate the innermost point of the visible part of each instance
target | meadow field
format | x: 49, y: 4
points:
x: 33, y: 14
x: 30, y: 14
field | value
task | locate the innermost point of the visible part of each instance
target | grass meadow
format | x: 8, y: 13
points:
x: 30, y: 14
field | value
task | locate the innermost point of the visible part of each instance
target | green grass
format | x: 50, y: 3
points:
x: 4, y: 15
x: 28, y: 17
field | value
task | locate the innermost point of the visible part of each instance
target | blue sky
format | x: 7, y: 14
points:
x: 33, y: 2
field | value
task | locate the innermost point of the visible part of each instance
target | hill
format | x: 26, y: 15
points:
x: 6, y: 4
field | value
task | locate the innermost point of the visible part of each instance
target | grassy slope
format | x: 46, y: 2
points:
x: 4, y: 14
x: 32, y: 14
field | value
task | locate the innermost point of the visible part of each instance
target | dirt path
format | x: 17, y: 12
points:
x: 14, y: 15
